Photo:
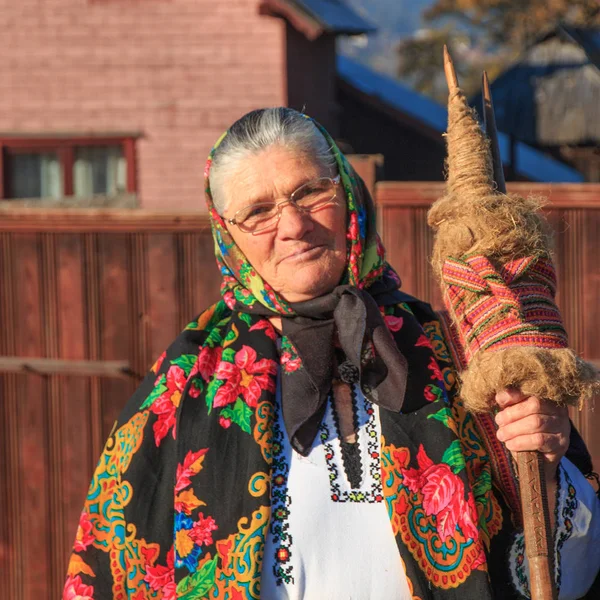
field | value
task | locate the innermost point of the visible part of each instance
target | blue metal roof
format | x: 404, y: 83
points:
x: 531, y: 164
x: 588, y: 39
x: 335, y: 16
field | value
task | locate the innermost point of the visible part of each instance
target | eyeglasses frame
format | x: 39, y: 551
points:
x: 278, y: 205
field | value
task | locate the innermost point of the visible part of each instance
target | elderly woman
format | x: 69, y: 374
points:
x: 303, y: 438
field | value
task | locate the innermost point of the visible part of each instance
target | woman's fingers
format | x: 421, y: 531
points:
x: 509, y: 397
x: 530, y: 406
x: 550, y: 444
x: 529, y: 425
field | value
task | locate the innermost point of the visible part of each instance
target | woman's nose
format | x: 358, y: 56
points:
x: 293, y: 222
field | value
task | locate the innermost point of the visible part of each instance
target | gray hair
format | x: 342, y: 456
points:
x: 259, y: 130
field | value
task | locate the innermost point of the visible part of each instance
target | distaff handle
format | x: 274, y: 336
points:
x: 539, y: 538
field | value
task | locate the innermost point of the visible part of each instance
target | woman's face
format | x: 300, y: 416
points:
x: 304, y: 255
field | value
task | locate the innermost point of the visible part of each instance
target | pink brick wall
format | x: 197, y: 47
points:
x: 178, y: 71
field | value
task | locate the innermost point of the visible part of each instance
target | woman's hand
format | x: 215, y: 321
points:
x: 528, y: 423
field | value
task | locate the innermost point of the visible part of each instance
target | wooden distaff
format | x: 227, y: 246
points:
x: 532, y: 482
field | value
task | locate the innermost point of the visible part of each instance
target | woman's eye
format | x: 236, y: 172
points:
x: 307, y: 191
x: 258, y: 211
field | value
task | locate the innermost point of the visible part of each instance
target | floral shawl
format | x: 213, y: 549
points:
x: 182, y: 496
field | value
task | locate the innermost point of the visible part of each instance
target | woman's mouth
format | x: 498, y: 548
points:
x: 305, y: 253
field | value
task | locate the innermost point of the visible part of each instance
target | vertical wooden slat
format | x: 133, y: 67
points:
x: 564, y: 294
x: 11, y: 572
x: 55, y: 437
x: 398, y: 236
x: 32, y: 418
x: 139, y: 329
x: 590, y: 317
x: 427, y: 286
x: 205, y: 277
x: 78, y: 457
x: 572, y: 277
x: 93, y: 315
x: 185, y: 264
x: 116, y: 327
x: 570, y: 288
x: 590, y: 280
x: 2, y: 188
x: 163, y: 291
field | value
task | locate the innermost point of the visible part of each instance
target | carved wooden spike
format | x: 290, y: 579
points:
x: 489, y: 120
x: 449, y: 70
x: 536, y: 520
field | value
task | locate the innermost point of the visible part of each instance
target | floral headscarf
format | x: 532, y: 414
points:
x: 365, y: 252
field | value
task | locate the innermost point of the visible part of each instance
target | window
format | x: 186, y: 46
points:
x: 99, y: 170
x: 34, y: 175
x: 56, y: 168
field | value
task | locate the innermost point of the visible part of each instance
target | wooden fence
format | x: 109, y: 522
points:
x: 97, y: 286
x: 113, y: 289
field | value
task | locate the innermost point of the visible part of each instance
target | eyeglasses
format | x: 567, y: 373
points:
x: 307, y: 198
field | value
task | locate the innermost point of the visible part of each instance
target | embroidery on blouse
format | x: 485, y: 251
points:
x: 567, y: 499
x: 519, y: 562
x: 566, y: 506
x: 357, y: 445
x: 340, y: 487
x: 280, y: 507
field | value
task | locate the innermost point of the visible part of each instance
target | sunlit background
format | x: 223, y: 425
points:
x: 108, y: 109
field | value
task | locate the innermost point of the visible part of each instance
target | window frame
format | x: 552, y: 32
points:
x: 65, y: 149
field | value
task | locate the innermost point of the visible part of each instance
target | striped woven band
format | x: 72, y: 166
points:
x: 511, y: 306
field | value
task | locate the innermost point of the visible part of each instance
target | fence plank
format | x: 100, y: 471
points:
x: 118, y: 320
x: 56, y: 366
x: 33, y: 484
x: 163, y: 291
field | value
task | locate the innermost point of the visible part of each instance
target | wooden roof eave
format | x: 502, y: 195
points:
x: 297, y: 18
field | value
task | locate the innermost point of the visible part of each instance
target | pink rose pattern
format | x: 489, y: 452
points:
x: 443, y: 496
x: 165, y: 407
x: 75, y: 589
x: 162, y: 577
x: 84, y: 535
x: 289, y: 359
x: 246, y: 377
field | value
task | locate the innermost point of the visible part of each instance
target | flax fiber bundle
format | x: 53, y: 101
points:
x: 492, y: 254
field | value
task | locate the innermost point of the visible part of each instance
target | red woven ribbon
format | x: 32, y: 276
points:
x: 512, y: 306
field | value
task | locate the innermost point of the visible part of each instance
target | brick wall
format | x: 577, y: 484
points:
x: 177, y: 71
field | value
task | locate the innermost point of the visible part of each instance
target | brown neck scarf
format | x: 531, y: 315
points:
x: 370, y: 355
